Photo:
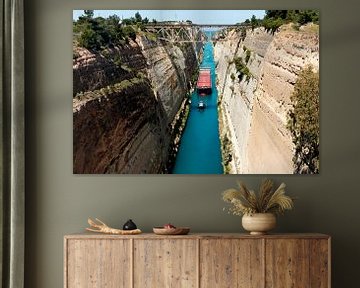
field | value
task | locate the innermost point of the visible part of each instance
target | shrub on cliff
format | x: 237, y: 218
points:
x: 303, y: 122
x: 98, y: 33
x: 89, y: 39
x: 275, y: 18
x: 226, y: 153
x: 129, y: 32
x: 306, y: 16
x: 247, y: 57
x: 239, y: 65
x: 243, y: 33
x: 241, y: 69
x: 272, y: 24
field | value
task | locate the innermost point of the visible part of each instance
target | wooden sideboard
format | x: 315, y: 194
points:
x: 197, y: 260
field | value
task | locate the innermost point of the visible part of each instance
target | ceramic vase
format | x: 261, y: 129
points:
x: 259, y: 223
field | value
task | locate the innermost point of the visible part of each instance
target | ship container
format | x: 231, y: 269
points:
x: 204, y: 82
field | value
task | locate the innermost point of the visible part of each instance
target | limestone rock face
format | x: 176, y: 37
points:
x: 253, y: 111
x: 170, y: 72
x: 126, y: 100
x: 116, y: 133
x: 93, y: 71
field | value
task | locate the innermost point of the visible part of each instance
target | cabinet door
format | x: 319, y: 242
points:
x: 320, y: 263
x: 287, y: 263
x: 231, y: 263
x: 167, y: 263
x: 98, y: 263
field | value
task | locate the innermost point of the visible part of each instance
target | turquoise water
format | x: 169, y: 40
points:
x: 199, y: 150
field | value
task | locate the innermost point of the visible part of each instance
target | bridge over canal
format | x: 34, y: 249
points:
x: 180, y: 32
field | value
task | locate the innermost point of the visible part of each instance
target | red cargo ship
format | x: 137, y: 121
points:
x: 204, y: 82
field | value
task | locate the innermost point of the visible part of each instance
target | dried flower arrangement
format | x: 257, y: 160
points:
x: 101, y: 227
x: 268, y: 200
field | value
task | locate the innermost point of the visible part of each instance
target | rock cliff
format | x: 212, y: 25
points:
x: 128, y: 103
x: 253, y: 110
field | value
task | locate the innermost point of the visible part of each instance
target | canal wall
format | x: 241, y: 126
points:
x: 253, y: 110
x: 129, y: 103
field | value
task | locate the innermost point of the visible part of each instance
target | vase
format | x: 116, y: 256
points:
x: 129, y: 225
x: 259, y: 223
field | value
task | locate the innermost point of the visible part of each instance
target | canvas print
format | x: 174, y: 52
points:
x: 196, y: 92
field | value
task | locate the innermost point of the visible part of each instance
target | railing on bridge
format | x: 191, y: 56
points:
x: 184, y: 24
x: 181, y: 32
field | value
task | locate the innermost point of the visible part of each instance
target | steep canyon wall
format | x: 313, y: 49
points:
x: 127, y: 103
x: 253, y: 110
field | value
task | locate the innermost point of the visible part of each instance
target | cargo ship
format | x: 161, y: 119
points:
x: 204, y: 82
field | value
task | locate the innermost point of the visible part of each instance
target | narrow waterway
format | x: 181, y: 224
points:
x: 199, y: 151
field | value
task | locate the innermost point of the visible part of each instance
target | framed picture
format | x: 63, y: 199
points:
x: 196, y: 92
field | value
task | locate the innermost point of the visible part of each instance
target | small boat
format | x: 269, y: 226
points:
x: 201, y: 105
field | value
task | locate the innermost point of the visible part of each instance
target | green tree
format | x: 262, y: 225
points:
x: 89, y: 39
x: 100, y: 33
x: 303, y: 122
x: 254, y: 22
x: 276, y: 14
x: 292, y: 15
x: 138, y: 17
x: 275, y: 18
x: 272, y: 24
x: 113, y: 20
x: 129, y: 32
x: 89, y: 13
x: 306, y: 16
x: 113, y: 29
x: 315, y: 16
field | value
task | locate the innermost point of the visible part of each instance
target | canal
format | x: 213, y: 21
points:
x: 199, y: 150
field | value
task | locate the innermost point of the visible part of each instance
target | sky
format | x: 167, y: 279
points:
x: 196, y: 16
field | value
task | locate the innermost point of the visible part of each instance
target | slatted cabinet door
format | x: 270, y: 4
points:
x: 320, y: 263
x: 231, y: 263
x: 93, y: 263
x: 297, y: 263
x: 287, y: 263
x: 165, y: 263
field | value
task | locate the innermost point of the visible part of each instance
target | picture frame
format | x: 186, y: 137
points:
x: 168, y: 92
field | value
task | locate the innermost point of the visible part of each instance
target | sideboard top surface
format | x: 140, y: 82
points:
x: 87, y: 235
